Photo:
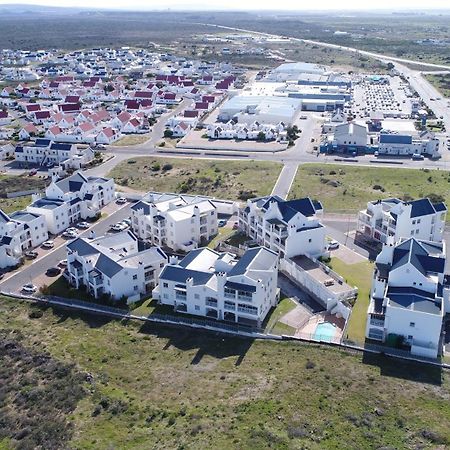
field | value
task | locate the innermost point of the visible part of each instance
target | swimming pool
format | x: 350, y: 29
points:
x: 325, y: 331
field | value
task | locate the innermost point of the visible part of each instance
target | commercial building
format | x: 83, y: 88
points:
x: 218, y: 286
x: 408, y: 297
x: 406, y: 145
x: 113, y: 266
x: 175, y: 221
x: 288, y: 227
x: 391, y: 219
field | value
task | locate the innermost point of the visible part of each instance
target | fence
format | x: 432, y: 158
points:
x: 20, y: 193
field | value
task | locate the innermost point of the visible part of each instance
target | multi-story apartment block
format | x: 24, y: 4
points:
x: 289, y: 227
x: 113, y: 265
x: 218, y: 286
x: 72, y: 199
x: 389, y: 220
x: 176, y: 221
x: 20, y: 231
x: 44, y: 151
x: 408, y: 297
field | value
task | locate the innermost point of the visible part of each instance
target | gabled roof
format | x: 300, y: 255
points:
x: 72, y: 183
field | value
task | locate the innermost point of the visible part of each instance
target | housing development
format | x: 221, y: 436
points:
x: 230, y: 190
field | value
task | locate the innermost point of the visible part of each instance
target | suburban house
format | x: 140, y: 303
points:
x: 175, y: 221
x: 114, y: 266
x: 389, y: 220
x: 219, y: 286
x: 289, y: 227
x: 409, y: 297
x: 20, y: 231
x: 71, y: 199
x: 44, y: 151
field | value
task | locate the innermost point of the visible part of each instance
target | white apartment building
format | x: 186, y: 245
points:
x: 113, y: 265
x: 44, y: 151
x: 71, y: 199
x: 176, y: 221
x: 218, y: 286
x: 408, y: 297
x: 289, y: 227
x: 389, y: 220
x: 19, y: 232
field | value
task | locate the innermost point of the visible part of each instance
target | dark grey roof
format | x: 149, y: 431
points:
x: 23, y: 216
x: 421, y: 207
x: 414, y: 300
x: 107, y: 266
x: 82, y: 247
x: 290, y: 208
x: 412, y: 251
x: 4, y: 217
x: 5, y: 240
x: 180, y: 275
x: 141, y: 205
x: 61, y: 147
x: 259, y: 258
x: 72, y: 183
x: 240, y: 286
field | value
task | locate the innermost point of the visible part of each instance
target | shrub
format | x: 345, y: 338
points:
x: 167, y: 167
x: 310, y: 364
x: 155, y: 167
x: 36, y: 314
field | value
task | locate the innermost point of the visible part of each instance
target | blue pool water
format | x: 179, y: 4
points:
x: 325, y: 331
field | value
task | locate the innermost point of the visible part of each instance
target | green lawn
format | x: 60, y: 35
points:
x: 11, y: 183
x: 160, y: 387
x: 223, y: 179
x: 359, y: 275
x: 132, y: 139
x: 223, y: 233
x: 355, y: 185
x: 273, y: 325
x: 441, y: 82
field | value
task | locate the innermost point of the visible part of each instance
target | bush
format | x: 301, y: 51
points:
x: 155, y: 167
x: 378, y: 187
x: 310, y: 364
x: 436, y: 198
x: 167, y: 167
x: 36, y: 314
x: 168, y: 133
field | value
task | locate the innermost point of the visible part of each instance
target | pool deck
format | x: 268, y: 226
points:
x: 310, y: 327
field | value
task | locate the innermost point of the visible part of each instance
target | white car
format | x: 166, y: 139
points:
x: 29, y: 288
x: 72, y: 230
x: 63, y: 263
x: 333, y: 245
x: 48, y: 244
x: 121, y: 200
x: 70, y: 234
x: 83, y: 225
x: 118, y: 227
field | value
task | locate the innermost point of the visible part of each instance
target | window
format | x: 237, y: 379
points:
x: 410, y: 337
x: 418, y: 220
x: 310, y: 240
x: 413, y: 222
x: 136, y: 288
x: 196, y: 296
x: 197, y: 308
x: 134, y: 277
x: 412, y: 324
x: 166, y: 285
x: 166, y: 296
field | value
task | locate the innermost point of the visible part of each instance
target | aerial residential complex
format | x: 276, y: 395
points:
x: 220, y: 286
x: 290, y: 227
x: 389, y: 220
x: 409, y: 296
x: 175, y: 221
x: 113, y: 266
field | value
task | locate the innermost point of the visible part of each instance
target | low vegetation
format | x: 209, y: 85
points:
x: 441, y: 82
x: 224, y: 179
x: 349, y: 188
x: 132, y: 139
x: 161, y: 387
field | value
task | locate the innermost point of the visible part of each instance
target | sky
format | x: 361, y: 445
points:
x: 239, y: 4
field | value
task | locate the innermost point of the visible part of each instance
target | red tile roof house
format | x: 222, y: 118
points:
x: 4, y: 118
x: 143, y: 94
x: 181, y: 129
x: 32, y: 107
x: 72, y: 99
x: 6, y: 92
x: 39, y: 117
x: 168, y: 98
x: 70, y: 108
x: 27, y: 131
x: 190, y: 114
x: 120, y: 120
x: 208, y: 98
x: 132, y: 105
x: 132, y: 126
x: 202, y: 106
x: 107, y: 136
x: 53, y: 133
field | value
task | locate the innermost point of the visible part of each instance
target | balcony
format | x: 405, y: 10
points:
x: 212, y: 303
x: 229, y: 306
x: 244, y: 310
x: 377, y: 322
x: 180, y: 308
x: 203, y: 220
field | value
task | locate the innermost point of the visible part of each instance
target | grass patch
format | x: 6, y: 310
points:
x: 156, y: 386
x: 272, y: 323
x: 359, y: 275
x: 223, y: 233
x: 344, y: 188
x: 61, y: 288
x: 9, y: 205
x: 132, y: 139
x: 441, y: 82
x: 226, y: 179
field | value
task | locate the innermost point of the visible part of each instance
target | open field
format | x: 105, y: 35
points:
x: 132, y: 139
x: 222, y: 179
x: 9, y: 183
x: 359, y: 275
x: 150, y: 387
x: 348, y: 188
x: 441, y: 82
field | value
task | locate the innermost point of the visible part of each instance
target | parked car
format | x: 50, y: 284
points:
x: 72, y: 230
x: 70, y: 234
x: 53, y: 271
x: 118, y: 227
x: 127, y: 222
x: 63, y: 263
x: 121, y: 200
x: 29, y: 288
x: 31, y: 254
x: 333, y: 245
x: 32, y: 172
x: 48, y: 244
x: 221, y: 222
x: 417, y: 157
x: 83, y: 225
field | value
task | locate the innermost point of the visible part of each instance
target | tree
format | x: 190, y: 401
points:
x: 261, y: 136
x: 168, y: 133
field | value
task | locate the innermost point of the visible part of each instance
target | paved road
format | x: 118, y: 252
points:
x: 26, y: 274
